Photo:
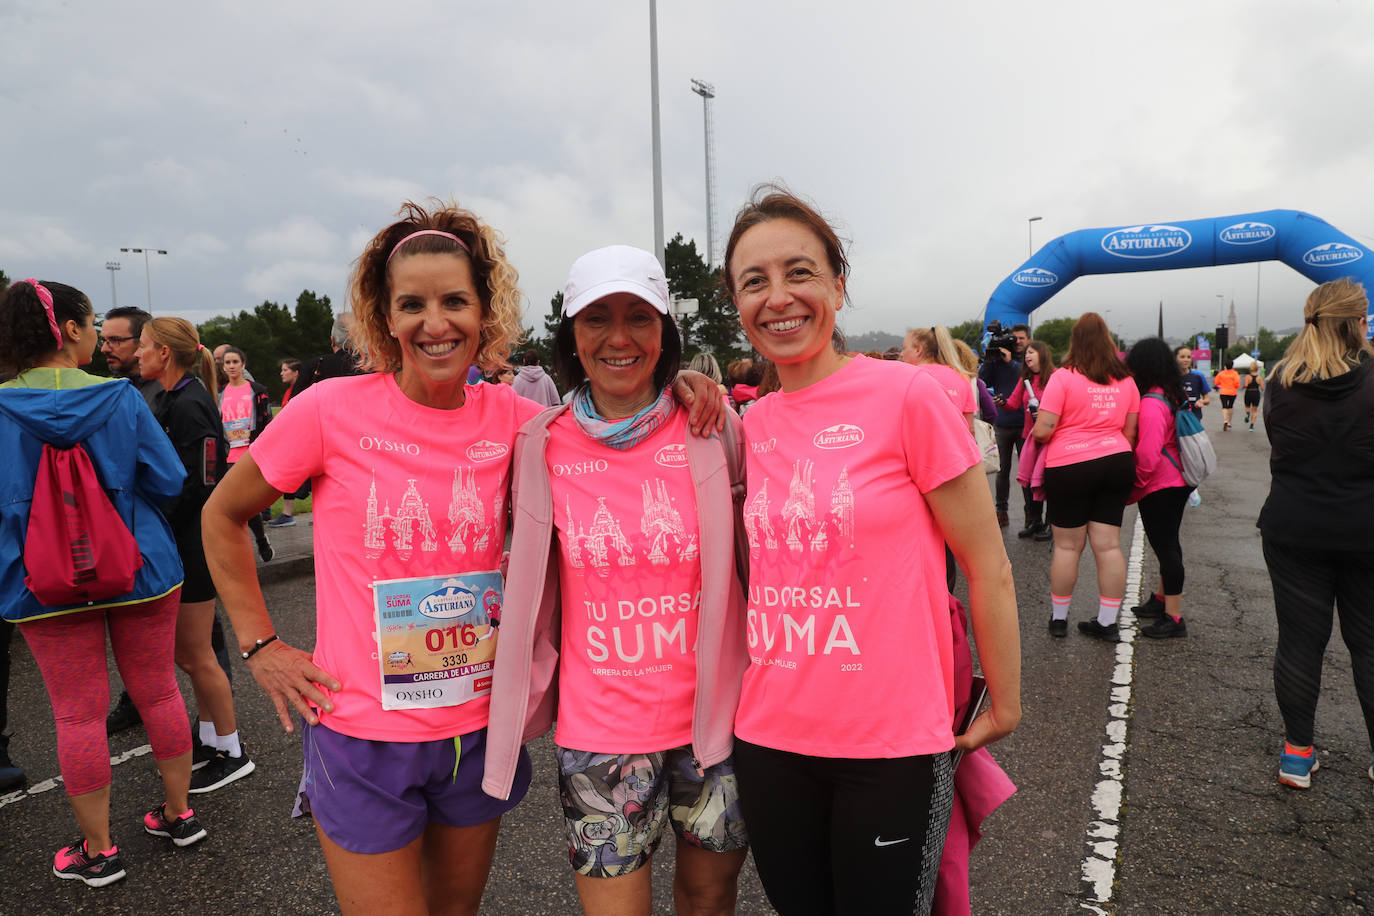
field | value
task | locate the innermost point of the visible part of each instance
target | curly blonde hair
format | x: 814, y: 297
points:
x: 369, y: 289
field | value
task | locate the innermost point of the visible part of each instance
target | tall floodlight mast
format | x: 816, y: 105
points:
x: 707, y: 93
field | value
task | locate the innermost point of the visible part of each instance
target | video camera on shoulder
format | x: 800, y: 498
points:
x: 996, y: 337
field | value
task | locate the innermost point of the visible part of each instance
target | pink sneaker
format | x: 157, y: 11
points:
x: 97, y: 871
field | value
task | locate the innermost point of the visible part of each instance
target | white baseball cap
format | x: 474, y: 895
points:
x: 615, y: 269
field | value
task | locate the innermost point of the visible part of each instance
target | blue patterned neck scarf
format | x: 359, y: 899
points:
x: 620, y: 434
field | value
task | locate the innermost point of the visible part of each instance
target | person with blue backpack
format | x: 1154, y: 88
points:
x: 83, y: 548
x: 1161, y: 489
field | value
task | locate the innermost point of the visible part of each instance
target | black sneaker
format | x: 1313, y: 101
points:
x: 1059, y: 628
x: 11, y: 776
x: 1150, y: 609
x: 99, y: 870
x: 1032, y: 526
x: 1164, y: 628
x: 220, y: 771
x: 183, y: 831
x: 201, y: 754
x: 123, y: 715
x: 265, y: 549
x: 1044, y: 534
x: 1098, y: 631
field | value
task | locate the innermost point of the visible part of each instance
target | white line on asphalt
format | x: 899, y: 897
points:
x: 1099, y: 865
x: 39, y: 788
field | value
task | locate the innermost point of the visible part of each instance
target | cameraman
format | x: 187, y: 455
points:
x: 1001, y: 372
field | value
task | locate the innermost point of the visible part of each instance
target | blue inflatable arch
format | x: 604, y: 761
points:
x: 1311, y: 246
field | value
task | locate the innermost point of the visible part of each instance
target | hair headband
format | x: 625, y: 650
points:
x: 46, y: 298
x: 448, y: 235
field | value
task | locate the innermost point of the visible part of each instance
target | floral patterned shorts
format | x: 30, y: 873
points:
x: 616, y: 805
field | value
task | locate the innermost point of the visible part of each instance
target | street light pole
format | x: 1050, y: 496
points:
x: 1220, y: 299
x: 1030, y: 246
x: 147, y: 273
x: 658, y: 151
x: 112, y: 266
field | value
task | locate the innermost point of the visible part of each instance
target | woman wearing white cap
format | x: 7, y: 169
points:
x: 410, y: 470
x: 624, y: 612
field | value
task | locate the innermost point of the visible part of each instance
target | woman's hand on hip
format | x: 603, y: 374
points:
x: 291, y: 679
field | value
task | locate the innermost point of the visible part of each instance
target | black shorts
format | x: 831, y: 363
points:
x: 197, y: 585
x: 1090, y: 491
x: 1252, y: 397
x: 301, y: 493
x: 1228, y: 401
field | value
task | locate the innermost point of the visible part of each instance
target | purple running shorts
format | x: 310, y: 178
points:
x: 377, y: 796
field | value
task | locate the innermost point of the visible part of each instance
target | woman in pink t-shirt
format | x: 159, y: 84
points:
x: 410, y: 470
x: 845, y: 717
x: 635, y: 642
x: 932, y: 350
x: 433, y: 294
x: 245, y: 408
x: 1087, y: 423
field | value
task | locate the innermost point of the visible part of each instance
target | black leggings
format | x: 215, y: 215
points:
x: 838, y: 835
x: 1306, y: 584
x: 1162, y: 513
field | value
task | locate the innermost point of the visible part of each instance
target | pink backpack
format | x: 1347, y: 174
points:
x: 77, y: 548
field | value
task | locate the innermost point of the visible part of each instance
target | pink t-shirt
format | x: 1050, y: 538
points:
x: 236, y: 411
x: 956, y: 387
x: 401, y: 491
x: 851, y: 653
x: 630, y: 575
x: 1091, y: 417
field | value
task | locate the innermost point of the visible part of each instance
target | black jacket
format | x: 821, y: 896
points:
x: 1322, y: 461
x: 189, y: 417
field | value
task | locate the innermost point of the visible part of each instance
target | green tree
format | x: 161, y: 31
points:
x: 314, y: 321
x: 714, y: 328
x: 271, y: 333
x: 1055, y: 333
x: 970, y: 332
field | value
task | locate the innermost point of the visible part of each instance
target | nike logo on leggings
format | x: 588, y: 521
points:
x: 879, y: 841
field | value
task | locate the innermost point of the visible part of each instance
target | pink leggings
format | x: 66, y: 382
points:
x: 70, y: 651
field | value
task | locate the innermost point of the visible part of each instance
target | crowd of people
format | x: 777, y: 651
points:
x: 728, y: 595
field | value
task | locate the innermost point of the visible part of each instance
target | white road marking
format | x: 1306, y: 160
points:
x: 38, y: 788
x: 1099, y: 865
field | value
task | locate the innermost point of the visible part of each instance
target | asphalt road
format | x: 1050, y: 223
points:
x: 1197, y: 822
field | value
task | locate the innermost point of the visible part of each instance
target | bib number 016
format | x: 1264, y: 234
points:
x: 455, y: 636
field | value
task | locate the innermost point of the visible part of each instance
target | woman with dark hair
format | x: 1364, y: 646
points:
x: 1037, y: 365
x: 845, y: 716
x: 245, y: 408
x: 1087, y: 421
x: 47, y: 331
x: 1319, y: 416
x: 624, y: 620
x: 1159, y: 487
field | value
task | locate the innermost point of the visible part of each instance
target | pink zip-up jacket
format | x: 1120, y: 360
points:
x: 524, y: 693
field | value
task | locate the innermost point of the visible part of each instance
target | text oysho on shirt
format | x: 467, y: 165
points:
x: 630, y: 577
x: 850, y: 647
x: 1091, y: 417
x: 236, y: 412
x: 401, y: 491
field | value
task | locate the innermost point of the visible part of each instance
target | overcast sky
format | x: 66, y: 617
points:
x: 262, y: 144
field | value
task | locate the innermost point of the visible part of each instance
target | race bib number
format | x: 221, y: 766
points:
x: 238, y: 432
x: 436, y: 638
